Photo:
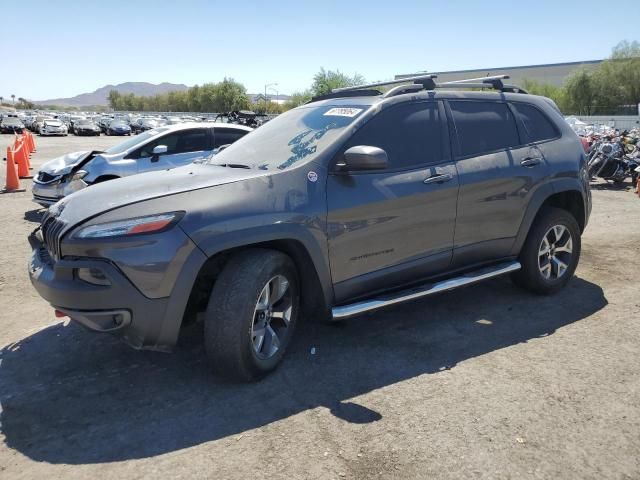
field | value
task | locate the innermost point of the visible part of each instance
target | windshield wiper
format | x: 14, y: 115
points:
x: 231, y: 165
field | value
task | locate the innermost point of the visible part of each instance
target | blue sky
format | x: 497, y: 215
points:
x: 72, y: 47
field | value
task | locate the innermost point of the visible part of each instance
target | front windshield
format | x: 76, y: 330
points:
x: 299, y: 134
x: 138, y: 139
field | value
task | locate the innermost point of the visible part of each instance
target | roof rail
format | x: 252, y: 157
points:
x: 418, y: 79
x: 418, y: 83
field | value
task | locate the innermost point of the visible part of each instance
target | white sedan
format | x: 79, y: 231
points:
x: 53, y: 127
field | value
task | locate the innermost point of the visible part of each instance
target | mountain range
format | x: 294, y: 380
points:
x: 100, y: 96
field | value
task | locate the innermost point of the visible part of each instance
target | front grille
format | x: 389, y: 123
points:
x: 51, y: 230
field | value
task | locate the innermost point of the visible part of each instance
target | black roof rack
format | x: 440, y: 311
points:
x: 418, y: 83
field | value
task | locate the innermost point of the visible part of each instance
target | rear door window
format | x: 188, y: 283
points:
x: 226, y: 136
x: 538, y: 127
x: 192, y: 141
x: 484, y: 127
x: 183, y: 141
x: 410, y: 133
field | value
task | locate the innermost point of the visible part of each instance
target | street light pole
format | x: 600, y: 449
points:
x: 265, y: 93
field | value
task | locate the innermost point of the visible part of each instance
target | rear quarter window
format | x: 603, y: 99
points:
x: 538, y: 127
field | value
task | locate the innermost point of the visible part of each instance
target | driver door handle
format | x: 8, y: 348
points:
x: 531, y: 161
x: 438, y: 178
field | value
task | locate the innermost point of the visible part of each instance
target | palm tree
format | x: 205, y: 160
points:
x: 13, y: 98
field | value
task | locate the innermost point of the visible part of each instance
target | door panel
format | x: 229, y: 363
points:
x: 389, y: 227
x: 394, y: 226
x: 494, y: 190
x: 495, y: 187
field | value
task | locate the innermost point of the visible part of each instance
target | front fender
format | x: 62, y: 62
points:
x: 102, y: 166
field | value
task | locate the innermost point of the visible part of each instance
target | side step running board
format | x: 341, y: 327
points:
x: 346, y: 311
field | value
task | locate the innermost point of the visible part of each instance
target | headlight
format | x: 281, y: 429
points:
x: 131, y: 226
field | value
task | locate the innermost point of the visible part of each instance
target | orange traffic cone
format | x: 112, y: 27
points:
x: 22, y: 158
x: 27, y: 141
x: 12, y: 182
x: 33, y: 142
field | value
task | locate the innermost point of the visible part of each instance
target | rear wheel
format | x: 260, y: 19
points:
x: 551, y: 252
x: 251, y: 314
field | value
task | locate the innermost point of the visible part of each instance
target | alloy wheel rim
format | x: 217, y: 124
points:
x: 271, y: 317
x: 555, y: 252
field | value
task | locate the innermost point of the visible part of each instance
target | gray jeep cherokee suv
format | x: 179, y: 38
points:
x: 347, y: 204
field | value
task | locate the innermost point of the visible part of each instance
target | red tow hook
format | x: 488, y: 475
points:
x: 60, y: 314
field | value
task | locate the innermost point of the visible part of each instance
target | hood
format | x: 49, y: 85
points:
x: 100, y: 198
x: 64, y: 164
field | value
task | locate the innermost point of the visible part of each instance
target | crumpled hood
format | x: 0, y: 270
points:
x: 97, y: 199
x: 64, y: 164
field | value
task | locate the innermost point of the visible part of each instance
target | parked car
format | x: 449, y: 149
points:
x: 53, y: 127
x: 86, y: 127
x: 104, y: 123
x: 345, y: 205
x: 159, y: 149
x: 118, y: 127
x: 38, y: 123
x: 11, y: 125
x: 147, y: 124
x: 73, y: 120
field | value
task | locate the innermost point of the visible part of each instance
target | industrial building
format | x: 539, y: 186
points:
x: 552, y: 73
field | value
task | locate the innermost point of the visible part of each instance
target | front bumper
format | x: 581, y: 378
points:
x: 59, y: 133
x: 46, y: 194
x: 119, y: 308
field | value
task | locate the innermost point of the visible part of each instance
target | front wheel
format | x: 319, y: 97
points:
x: 550, y: 253
x: 251, y: 314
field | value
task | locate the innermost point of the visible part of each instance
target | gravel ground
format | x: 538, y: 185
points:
x: 486, y: 382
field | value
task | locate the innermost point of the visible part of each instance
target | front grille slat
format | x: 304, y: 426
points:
x: 51, y: 230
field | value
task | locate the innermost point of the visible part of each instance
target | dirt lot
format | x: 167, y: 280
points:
x: 485, y: 382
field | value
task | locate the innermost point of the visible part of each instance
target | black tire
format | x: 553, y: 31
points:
x: 231, y: 314
x: 530, y: 276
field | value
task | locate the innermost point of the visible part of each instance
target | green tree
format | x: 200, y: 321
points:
x: 326, y: 80
x: 229, y: 95
x: 297, y: 99
x: 114, y: 99
x: 557, y: 94
x: 580, y: 90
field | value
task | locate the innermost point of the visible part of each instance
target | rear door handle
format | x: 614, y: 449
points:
x: 531, y: 161
x: 441, y: 178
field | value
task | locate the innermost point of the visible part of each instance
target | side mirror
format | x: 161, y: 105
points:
x: 363, y: 158
x: 159, y: 150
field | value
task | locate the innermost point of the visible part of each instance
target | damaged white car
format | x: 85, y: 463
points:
x: 158, y: 149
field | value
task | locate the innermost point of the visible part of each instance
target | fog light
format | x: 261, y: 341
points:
x: 93, y: 276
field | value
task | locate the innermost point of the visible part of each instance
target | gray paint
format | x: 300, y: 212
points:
x: 364, y: 232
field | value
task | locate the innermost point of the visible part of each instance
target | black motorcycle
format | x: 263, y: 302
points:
x: 607, y: 162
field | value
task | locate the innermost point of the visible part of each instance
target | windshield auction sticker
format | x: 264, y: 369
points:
x: 343, y: 112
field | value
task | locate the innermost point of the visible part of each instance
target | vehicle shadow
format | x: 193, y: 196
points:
x: 604, y: 185
x: 73, y: 397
